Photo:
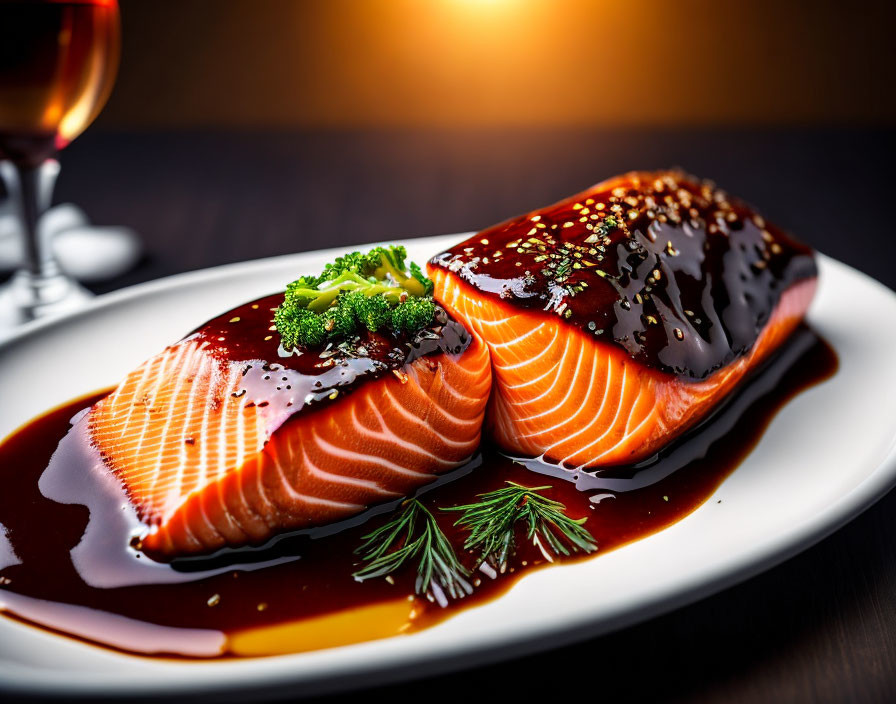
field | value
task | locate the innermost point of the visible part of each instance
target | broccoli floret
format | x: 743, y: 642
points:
x: 300, y: 292
x: 375, y: 290
x: 413, y: 315
x: 373, y: 312
x: 418, y: 274
x: 373, y: 264
x: 299, y: 327
x: 339, y: 320
x: 353, y: 262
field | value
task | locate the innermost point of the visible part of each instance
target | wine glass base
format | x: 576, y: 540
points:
x: 27, y: 297
x: 86, y: 252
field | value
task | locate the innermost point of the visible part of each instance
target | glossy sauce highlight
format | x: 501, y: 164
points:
x: 298, y: 592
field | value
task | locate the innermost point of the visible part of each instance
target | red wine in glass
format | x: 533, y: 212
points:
x: 58, y: 61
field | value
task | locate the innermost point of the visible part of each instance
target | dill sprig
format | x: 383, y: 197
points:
x: 413, y: 533
x: 492, y: 524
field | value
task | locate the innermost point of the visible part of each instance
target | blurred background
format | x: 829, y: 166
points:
x: 247, y: 128
x: 502, y: 63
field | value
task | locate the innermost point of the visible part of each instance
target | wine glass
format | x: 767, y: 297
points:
x: 58, y: 60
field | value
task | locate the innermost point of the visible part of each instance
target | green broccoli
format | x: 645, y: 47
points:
x: 375, y: 290
x: 421, y: 277
x: 299, y: 327
x: 339, y: 321
x: 413, y: 315
x: 373, y: 312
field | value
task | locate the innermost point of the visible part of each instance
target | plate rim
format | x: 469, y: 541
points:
x: 185, y: 278
x: 273, y: 673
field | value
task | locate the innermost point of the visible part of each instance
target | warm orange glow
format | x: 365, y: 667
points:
x: 489, y: 4
x: 398, y: 63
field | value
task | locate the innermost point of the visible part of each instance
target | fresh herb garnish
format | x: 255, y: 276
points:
x: 607, y: 225
x: 562, y: 270
x: 492, y: 523
x: 414, y: 534
x: 370, y: 291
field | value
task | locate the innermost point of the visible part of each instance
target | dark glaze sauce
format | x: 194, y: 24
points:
x: 313, y: 602
x: 673, y: 270
x: 246, y: 335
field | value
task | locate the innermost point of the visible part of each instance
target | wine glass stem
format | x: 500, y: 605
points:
x: 39, y: 288
x: 35, y: 194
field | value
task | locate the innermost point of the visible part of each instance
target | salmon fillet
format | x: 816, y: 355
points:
x: 618, y: 318
x: 212, y: 456
x: 561, y: 395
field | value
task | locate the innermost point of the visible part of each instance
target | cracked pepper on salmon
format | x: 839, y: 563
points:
x: 620, y: 317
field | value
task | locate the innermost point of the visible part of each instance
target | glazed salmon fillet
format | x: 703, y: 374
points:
x: 213, y: 451
x: 561, y: 395
x: 619, y: 318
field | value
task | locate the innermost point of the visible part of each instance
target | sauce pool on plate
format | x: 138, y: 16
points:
x: 297, y: 593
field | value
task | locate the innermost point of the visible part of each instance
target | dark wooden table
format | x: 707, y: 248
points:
x: 821, y: 627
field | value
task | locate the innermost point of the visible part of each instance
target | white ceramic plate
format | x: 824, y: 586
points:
x: 826, y: 457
